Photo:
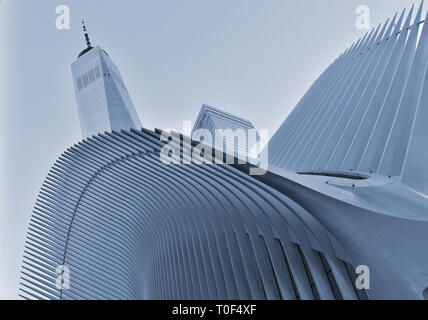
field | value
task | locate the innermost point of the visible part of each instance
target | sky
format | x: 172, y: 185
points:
x: 253, y: 58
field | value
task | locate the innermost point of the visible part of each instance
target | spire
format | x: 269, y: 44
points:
x: 88, y: 42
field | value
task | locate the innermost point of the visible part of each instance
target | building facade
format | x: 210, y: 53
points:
x: 103, y: 101
x: 234, y: 135
x: 346, y: 190
x: 128, y: 226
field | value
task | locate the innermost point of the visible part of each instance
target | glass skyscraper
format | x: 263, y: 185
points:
x: 232, y: 134
x: 103, y: 101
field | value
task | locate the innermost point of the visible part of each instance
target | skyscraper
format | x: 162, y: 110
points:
x: 103, y: 102
x: 229, y: 132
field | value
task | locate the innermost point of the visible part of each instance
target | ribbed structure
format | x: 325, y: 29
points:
x: 359, y: 114
x: 354, y: 153
x: 129, y: 227
x: 347, y: 186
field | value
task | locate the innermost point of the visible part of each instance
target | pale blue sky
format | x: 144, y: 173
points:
x: 254, y: 58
